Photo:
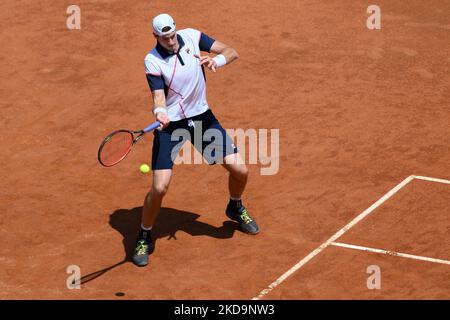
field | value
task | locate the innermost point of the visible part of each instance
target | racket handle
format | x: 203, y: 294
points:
x: 153, y: 126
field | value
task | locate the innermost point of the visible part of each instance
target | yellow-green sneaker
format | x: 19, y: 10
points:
x: 141, y: 252
x: 240, y: 215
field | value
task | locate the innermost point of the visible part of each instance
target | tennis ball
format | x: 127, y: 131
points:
x: 144, y: 168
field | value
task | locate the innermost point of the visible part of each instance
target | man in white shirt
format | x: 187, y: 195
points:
x: 176, y: 77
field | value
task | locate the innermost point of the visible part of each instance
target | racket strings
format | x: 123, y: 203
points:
x: 116, y: 148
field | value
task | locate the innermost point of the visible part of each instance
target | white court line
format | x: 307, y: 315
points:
x: 338, y: 234
x: 391, y: 253
x: 432, y: 179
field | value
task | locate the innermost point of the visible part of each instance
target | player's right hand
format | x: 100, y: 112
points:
x: 163, y: 119
x: 207, y: 61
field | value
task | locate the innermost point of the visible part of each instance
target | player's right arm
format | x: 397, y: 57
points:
x: 156, y: 84
x: 160, y: 108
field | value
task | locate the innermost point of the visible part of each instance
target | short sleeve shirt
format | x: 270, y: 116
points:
x: 180, y: 74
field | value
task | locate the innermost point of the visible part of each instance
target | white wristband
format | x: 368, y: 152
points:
x: 220, y: 60
x: 160, y: 109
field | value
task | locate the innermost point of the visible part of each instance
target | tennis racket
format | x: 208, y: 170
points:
x: 117, y: 145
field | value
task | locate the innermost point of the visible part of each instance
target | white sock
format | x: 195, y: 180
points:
x: 146, y: 229
x: 235, y: 199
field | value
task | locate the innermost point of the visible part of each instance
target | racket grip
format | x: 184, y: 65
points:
x: 153, y: 126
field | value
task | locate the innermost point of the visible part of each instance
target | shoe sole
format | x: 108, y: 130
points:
x: 250, y: 233
x: 139, y: 265
x: 243, y: 230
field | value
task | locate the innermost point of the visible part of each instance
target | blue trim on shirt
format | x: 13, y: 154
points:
x: 205, y: 42
x: 155, y: 82
x: 164, y: 53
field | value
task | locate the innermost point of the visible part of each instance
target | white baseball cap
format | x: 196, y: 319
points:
x: 163, y: 22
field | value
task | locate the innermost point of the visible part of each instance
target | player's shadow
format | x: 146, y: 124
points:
x: 169, y: 222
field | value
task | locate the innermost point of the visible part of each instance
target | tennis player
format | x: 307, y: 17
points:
x: 176, y: 76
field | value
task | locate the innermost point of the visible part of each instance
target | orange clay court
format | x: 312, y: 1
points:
x: 364, y: 126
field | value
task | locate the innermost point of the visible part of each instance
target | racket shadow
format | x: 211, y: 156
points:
x: 169, y: 222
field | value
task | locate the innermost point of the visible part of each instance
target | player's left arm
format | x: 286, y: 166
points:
x: 224, y: 55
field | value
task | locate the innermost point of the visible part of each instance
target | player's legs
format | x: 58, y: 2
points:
x: 162, y: 172
x: 153, y: 199
x: 238, y: 174
x: 237, y: 179
x: 219, y: 148
x: 150, y: 211
x: 226, y: 151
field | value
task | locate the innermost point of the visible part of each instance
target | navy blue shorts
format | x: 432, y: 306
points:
x: 207, y: 136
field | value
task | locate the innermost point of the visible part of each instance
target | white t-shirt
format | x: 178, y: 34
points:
x: 180, y: 75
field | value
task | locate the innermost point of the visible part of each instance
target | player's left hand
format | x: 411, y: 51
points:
x: 207, y: 61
